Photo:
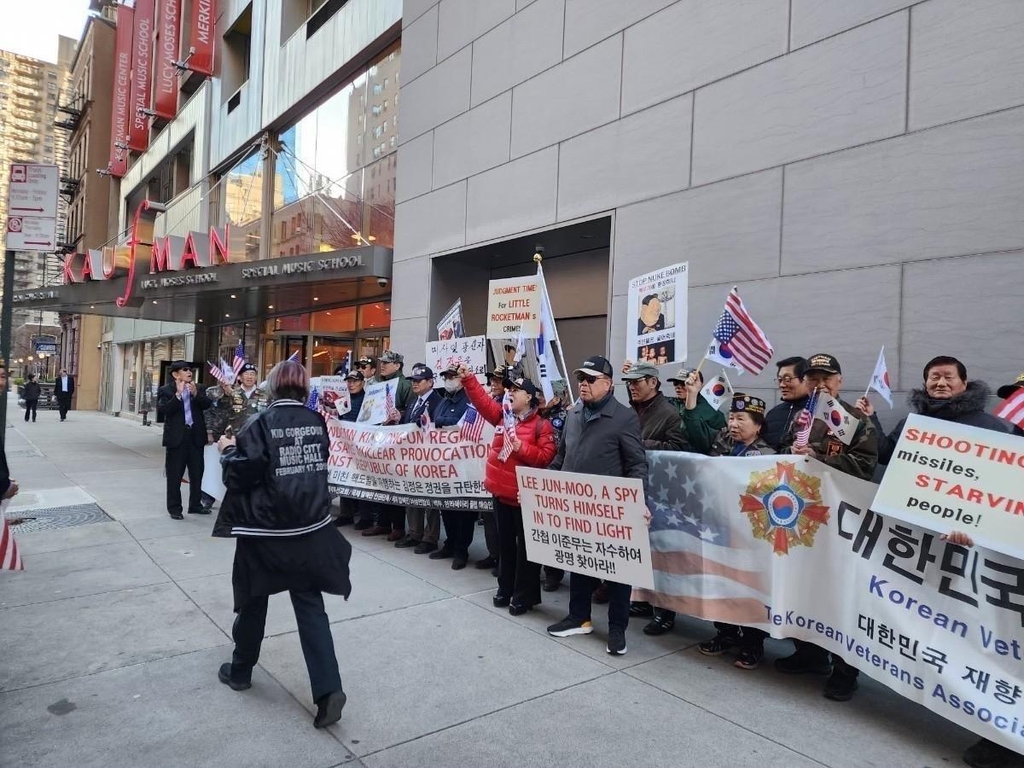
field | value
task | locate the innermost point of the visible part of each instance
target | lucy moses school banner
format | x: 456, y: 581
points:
x: 781, y: 543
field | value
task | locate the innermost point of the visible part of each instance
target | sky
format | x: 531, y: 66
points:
x: 31, y: 28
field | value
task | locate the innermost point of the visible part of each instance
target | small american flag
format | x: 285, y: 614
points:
x: 313, y: 401
x: 509, y: 422
x: 223, y: 373
x: 804, y: 435
x: 471, y: 426
x: 239, y: 361
x: 293, y: 357
x: 389, y: 399
x: 746, y: 341
x: 1012, y: 408
x: 216, y: 372
x: 10, y: 560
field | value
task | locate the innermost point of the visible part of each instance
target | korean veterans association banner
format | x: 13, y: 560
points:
x: 792, y: 547
x: 409, y: 466
x: 948, y: 476
x: 586, y: 523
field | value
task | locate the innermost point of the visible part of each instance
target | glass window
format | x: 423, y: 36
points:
x: 328, y: 354
x: 338, y: 319
x: 289, y: 323
x: 375, y: 316
x: 241, y: 191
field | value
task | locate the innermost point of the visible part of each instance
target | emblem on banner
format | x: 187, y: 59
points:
x: 784, y: 506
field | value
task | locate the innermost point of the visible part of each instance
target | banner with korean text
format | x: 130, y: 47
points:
x: 948, y: 476
x: 792, y: 546
x: 409, y: 466
x: 470, y: 351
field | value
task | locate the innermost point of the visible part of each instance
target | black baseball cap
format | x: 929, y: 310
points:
x: 180, y: 365
x: 355, y: 376
x: 823, y: 362
x: 248, y: 367
x: 524, y: 384
x: 421, y: 373
x: 596, y: 366
x: 365, y: 361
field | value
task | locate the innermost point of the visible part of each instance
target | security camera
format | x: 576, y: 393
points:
x: 382, y: 282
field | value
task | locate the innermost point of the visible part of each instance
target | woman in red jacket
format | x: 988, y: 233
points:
x: 532, y: 445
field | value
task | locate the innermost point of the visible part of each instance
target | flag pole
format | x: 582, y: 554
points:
x: 538, y: 257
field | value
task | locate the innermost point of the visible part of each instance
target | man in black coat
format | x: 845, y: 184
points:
x: 423, y: 527
x: 794, y: 394
x: 182, y: 407
x: 31, y: 392
x: 63, y: 389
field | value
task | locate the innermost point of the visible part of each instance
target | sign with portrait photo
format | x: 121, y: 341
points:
x: 656, y: 316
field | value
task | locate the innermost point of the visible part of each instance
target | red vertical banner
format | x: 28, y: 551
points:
x: 165, y: 73
x: 202, y: 36
x: 122, y: 91
x: 142, y: 75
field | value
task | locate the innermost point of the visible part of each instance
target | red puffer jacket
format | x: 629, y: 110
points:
x: 536, y: 435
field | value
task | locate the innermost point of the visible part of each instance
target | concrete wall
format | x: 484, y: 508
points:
x: 856, y: 168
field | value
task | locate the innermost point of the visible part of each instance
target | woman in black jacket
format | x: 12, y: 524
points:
x: 278, y: 507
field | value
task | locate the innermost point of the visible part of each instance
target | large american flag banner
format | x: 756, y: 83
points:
x: 742, y: 338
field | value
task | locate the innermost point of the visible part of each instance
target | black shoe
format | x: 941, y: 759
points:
x: 407, y: 542
x: 840, y: 686
x: 176, y: 515
x: 717, y: 645
x: 441, y: 554
x: 224, y: 675
x: 341, y: 521
x: 328, y: 709
x: 749, y: 658
x: 616, y: 641
x: 807, y: 659
x: 568, y: 627
x: 988, y: 754
x: 500, y: 601
x: 662, y: 622
x: 487, y: 562
x: 200, y: 511
x: 519, y: 610
x: 459, y: 563
x: 363, y: 525
x: 425, y: 546
x: 551, y: 585
x: 641, y: 610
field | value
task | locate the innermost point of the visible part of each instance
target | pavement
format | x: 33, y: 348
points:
x: 111, y: 638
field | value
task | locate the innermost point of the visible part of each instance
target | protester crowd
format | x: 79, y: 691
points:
x: 598, y: 435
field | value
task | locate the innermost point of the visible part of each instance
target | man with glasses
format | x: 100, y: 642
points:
x: 858, y: 459
x: 794, y: 394
x: 601, y: 437
x: 368, y: 368
x: 182, y: 407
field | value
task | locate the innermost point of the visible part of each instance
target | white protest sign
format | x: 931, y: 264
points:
x: 947, y: 476
x: 334, y: 396
x: 470, y: 351
x: 514, y: 304
x: 374, y: 409
x: 656, y: 316
x: 588, y: 524
x: 450, y: 326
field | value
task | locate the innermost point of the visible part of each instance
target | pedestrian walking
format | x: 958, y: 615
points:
x: 63, y: 389
x: 277, y: 507
x: 31, y: 393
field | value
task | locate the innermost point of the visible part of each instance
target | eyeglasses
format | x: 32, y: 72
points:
x: 363, y: 365
x: 582, y: 377
x: 787, y: 379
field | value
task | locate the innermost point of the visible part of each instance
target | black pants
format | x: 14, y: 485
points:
x: 459, y: 527
x: 392, y: 517
x: 187, y: 455
x: 518, y: 578
x: 490, y: 533
x: 64, y: 404
x: 314, y: 635
x: 839, y: 667
x: 364, y: 511
x: 581, y: 589
x: 30, y: 407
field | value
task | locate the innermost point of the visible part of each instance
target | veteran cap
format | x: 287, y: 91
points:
x: 524, y: 384
x: 390, y: 356
x: 824, y: 363
x: 421, y: 373
x: 742, y: 403
x: 596, y: 366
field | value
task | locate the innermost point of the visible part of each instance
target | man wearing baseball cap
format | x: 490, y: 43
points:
x: 601, y: 437
x: 368, y: 367
x: 703, y: 421
x: 390, y: 369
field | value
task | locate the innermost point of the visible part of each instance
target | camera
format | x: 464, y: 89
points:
x: 382, y: 282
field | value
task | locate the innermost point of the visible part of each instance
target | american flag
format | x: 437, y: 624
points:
x: 313, y: 401
x: 389, y: 399
x: 216, y: 372
x: 804, y: 435
x: 10, y: 560
x: 508, y: 420
x: 737, y: 330
x: 239, y: 361
x: 223, y: 372
x: 293, y: 357
x: 701, y: 567
x: 1012, y: 408
x: 471, y: 426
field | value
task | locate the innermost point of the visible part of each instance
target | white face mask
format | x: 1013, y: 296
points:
x: 452, y: 385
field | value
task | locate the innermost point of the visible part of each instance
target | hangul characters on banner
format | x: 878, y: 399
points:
x: 541, y: 536
x: 1007, y: 692
x: 908, y: 648
x: 886, y: 636
x: 633, y: 553
x: 962, y: 563
x: 866, y: 625
x: 934, y: 657
x: 584, y: 545
x: 607, y: 566
x: 905, y: 546
x: 465, y: 347
x: 867, y: 533
x: 1007, y: 588
x: 564, y: 558
x: 977, y: 678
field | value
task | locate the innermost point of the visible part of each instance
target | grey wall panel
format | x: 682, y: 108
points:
x: 948, y: 191
x: 416, y: 160
x: 413, y: 9
x: 474, y: 141
x: 845, y: 91
x: 419, y: 45
x: 431, y: 223
x: 408, y: 336
x: 437, y: 96
x: 514, y: 197
x: 409, y: 294
x: 816, y: 19
x: 463, y: 21
x: 590, y: 21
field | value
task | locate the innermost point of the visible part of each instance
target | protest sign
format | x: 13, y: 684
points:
x: 450, y: 326
x: 470, y: 351
x: 514, y: 308
x: 947, y: 476
x: 375, y: 409
x: 409, y: 466
x: 657, y: 304
x: 792, y: 547
x: 588, y: 524
x: 334, y: 398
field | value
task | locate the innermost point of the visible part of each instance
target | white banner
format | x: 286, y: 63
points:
x: 586, y: 524
x: 656, y: 316
x: 374, y: 409
x: 470, y: 351
x: 792, y: 547
x: 948, y: 476
x: 513, y: 308
x: 409, y: 466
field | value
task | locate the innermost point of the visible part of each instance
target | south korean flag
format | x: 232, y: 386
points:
x: 839, y: 422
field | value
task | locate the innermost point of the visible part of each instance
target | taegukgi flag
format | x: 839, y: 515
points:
x: 839, y: 422
x: 718, y: 390
x: 880, y: 379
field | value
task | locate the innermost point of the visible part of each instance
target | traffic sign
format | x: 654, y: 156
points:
x: 32, y: 207
x: 45, y: 347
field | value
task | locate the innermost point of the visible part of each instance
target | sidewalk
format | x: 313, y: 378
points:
x: 111, y: 638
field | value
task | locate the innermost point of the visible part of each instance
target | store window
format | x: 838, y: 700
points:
x: 375, y: 316
x: 337, y: 320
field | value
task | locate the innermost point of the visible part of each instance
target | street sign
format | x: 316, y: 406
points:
x: 32, y: 207
x: 45, y: 347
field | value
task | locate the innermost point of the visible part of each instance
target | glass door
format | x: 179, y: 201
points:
x: 328, y: 353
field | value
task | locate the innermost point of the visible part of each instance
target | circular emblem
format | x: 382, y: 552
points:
x: 784, y: 506
x: 557, y: 423
x: 836, y: 418
x: 718, y: 389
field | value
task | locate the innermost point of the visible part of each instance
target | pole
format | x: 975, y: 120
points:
x: 6, y: 319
